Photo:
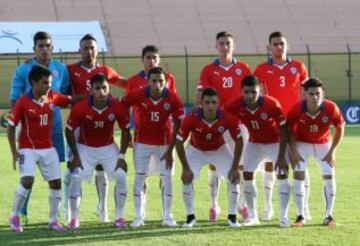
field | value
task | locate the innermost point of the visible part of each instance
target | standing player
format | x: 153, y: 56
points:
x: 80, y: 74
x: 150, y: 57
x: 207, y: 126
x: 225, y: 75
x: 60, y: 82
x: 265, y: 121
x: 35, y: 112
x: 95, y: 117
x: 281, y: 78
x: 309, y: 121
x: 154, y: 136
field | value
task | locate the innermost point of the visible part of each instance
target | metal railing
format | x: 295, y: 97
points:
x: 339, y: 71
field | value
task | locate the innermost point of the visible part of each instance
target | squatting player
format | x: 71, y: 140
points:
x: 309, y: 122
x: 206, y: 126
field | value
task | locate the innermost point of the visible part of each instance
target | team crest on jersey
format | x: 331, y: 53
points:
x: 55, y: 73
x: 293, y: 70
x: 166, y: 106
x: 221, y: 129
x: 111, y: 117
x: 51, y: 106
x: 238, y: 71
x: 325, y: 119
x: 264, y: 116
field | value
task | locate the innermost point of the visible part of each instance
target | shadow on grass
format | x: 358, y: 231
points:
x: 90, y: 232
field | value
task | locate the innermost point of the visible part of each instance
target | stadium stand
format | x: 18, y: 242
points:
x: 325, y: 25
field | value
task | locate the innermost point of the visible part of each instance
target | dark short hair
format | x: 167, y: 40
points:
x: 223, y: 34
x: 312, y: 83
x: 41, y: 36
x: 156, y: 70
x: 208, y: 91
x: 37, y: 72
x: 149, y: 48
x: 87, y: 37
x: 98, y: 78
x: 276, y: 34
x: 250, y: 81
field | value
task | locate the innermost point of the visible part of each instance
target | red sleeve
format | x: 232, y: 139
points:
x: 338, y: 119
x: 204, y: 80
x: 129, y: 100
x: 232, y: 106
x: 277, y: 112
x: 178, y: 111
x: 257, y: 73
x: 185, y: 128
x: 233, y: 124
x: 128, y: 88
x: 112, y: 75
x: 76, y: 116
x: 122, y: 116
x: 292, y: 117
x: 171, y: 82
x: 60, y: 99
x: 303, y: 73
x: 17, y: 113
x: 246, y: 70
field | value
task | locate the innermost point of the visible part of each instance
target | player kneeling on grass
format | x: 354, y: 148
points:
x: 35, y: 112
x: 207, y: 125
x: 309, y: 121
x: 268, y: 134
x: 154, y: 137
x: 96, y: 116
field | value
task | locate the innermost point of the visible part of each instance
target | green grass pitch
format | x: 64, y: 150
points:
x: 93, y: 232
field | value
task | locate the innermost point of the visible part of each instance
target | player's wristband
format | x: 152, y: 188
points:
x: 122, y: 156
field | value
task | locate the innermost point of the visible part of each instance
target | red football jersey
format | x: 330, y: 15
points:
x: 208, y: 136
x: 262, y: 123
x: 97, y: 126
x: 282, y: 82
x: 139, y: 80
x: 154, y: 127
x: 314, y: 129
x: 80, y: 77
x: 36, y: 119
x: 226, y: 80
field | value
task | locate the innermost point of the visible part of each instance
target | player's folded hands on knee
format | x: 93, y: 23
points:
x: 295, y: 159
x: 187, y: 176
x: 281, y: 166
x: 234, y: 175
x: 121, y: 163
x: 75, y: 163
x: 168, y: 157
x: 330, y: 158
x: 16, y: 157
